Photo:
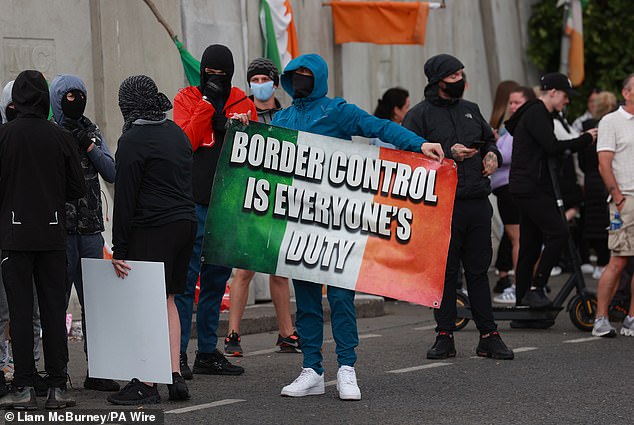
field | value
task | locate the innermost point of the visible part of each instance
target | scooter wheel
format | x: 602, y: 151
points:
x: 582, y: 316
x: 461, y: 301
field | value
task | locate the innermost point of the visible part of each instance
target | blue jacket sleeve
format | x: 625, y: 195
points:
x: 358, y: 122
x: 102, y: 160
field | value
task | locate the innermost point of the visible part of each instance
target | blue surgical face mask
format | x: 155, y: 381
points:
x: 262, y: 91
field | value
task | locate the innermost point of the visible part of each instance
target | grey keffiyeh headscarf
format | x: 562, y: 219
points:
x: 139, y: 98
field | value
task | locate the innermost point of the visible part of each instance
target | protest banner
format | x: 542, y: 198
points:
x: 331, y: 211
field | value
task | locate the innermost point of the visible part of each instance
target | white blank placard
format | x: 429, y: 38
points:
x: 126, y: 321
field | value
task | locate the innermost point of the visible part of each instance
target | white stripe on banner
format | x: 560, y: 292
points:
x: 353, y: 262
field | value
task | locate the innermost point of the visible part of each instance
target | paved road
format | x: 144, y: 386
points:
x: 560, y: 376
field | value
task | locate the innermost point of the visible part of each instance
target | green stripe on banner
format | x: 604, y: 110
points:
x: 249, y: 239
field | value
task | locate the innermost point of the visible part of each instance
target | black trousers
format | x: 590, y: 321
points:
x: 540, y: 223
x: 471, y: 243
x: 48, y: 270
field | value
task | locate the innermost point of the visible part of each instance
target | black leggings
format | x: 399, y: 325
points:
x: 540, y: 223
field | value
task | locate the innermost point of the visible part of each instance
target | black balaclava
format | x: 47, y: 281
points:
x: 74, y: 109
x: 438, y: 67
x: 302, y: 85
x: 218, y: 57
x: 10, y: 113
x: 139, y: 98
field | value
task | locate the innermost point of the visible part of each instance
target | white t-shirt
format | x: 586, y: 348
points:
x: 616, y: 134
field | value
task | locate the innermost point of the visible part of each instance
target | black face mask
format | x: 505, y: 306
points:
x: 454, y: 90
x: 74, y: 109
x: 219, y: 84
x: 11, y: 114
x: 302, y: 85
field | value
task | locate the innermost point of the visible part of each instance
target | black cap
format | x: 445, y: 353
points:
x: 263, y: 66
x: 557, y: 81
x: 441, y: 66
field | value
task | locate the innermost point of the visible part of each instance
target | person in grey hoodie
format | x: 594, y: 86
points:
x: 84, y: 216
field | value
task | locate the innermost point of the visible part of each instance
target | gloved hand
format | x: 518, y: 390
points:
x: 83, y: 139
x: 218, y: 121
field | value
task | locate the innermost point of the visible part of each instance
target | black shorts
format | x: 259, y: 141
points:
x: 509, y: 213
x: 171, y: 244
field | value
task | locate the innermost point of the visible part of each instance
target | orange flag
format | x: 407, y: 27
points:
x: 380, y: 22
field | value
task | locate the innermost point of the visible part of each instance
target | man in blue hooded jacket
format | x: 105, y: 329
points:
x: 305, y: 79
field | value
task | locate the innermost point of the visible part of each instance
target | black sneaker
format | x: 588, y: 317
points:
x: 536, y: 298
x: 58, y: 399
x: 443, y: 348
x: 532, y: 324
x: 136, y: 392
x: 41, y: 387
x: 502, y: 284
x: 4, y: 389
x: 178, y: 388
x: 100, y: 384
x: 491, y: 345
x: 290, y: 344
x: 186, y: 372
x: 21, y: 399
x: 232, y: 345
x: 215, y: 364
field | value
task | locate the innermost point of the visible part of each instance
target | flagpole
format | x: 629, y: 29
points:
x: 565, y: 42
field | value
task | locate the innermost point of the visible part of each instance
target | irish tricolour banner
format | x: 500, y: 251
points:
x: 331, y: 211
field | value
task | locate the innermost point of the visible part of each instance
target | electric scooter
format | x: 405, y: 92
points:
x: 581, y: 307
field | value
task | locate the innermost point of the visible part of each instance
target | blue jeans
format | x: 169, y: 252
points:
x: 213, y: 281
x: 78, y: 247
x: 310, y: 323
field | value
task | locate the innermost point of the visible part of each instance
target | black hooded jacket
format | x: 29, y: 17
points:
x: 451, y: 121
x: 39, y: 172
x: 534, y: 142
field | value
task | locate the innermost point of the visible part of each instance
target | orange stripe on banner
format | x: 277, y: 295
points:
x: 413, y: 271
x: 381, y: 22
x: 293, y: 45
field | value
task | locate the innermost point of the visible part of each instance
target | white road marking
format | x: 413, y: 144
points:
x: 524, y: 349
x: 366, y: 336
x: 326, y: 341
x: 330, y: 383
x: 415, y: 368
x: 205, y: 406
x: 425, y: 328
x: 575, y: 341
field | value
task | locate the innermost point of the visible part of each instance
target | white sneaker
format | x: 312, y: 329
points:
x: 598, y: 271
x: 307, y: 383
x: 628, y: 326
x: 602, y: 327
x: 556, y: 271
x: 587, y: 268
x: 506, y: 297
x: 347, y: 384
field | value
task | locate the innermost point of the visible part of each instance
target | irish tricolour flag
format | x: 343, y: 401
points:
x: 332, y: 212
x: 278, y: 31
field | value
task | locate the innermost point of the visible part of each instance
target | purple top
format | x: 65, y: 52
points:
x: 501, y: 176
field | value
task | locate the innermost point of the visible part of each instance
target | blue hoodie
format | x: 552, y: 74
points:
x: 320, y: 114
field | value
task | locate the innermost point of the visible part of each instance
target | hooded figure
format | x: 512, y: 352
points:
x: 84, y: 216
x: 466, y: 137
x: 305, y: 78
x: 154, y: 216
x: 202, y: 112
x: 40, y: 171
x: 314, y: 112
x: 5, y: 101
